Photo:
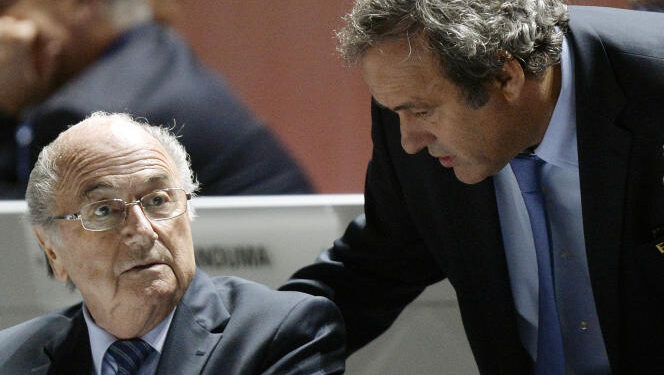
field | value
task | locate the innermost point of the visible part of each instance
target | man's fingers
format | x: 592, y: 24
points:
x: 17, y: 31
x: 18, y: 60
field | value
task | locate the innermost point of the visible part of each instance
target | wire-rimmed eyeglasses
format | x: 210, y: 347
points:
x: 162, y: 204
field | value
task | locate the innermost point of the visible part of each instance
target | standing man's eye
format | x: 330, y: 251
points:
x: 422, y: 114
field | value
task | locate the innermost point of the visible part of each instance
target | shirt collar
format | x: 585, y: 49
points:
x: 558, y: 147
x: 100, y: 340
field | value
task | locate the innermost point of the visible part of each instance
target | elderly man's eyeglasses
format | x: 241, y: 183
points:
x: 158, y: 205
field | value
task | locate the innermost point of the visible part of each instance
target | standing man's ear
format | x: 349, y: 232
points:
x: 51, y: 252
x: 510, y: 80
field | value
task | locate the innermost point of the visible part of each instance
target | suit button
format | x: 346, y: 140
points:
x: 583, y: 325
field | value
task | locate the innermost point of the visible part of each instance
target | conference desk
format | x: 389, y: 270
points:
x: 264, y: 239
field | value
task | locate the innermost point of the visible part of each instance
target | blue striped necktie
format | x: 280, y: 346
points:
x: 129, y: 354
x: 550, y: 356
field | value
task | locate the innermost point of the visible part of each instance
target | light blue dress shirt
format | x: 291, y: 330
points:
x: 100, y: 340
x: 584, y: 345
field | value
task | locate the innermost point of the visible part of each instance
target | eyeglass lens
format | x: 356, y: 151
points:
x: 158, y: 205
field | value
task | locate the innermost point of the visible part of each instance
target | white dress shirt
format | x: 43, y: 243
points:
x: 100, y: 340
x: 561, y: 189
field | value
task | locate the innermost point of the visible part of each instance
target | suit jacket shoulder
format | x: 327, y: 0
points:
x: 234, y: 326
x: 57, y: 341
x: 631, y: 41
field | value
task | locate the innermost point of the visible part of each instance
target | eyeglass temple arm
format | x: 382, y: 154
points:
x: 75, y: 216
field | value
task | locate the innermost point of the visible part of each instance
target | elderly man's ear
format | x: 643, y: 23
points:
x: 48, y: 245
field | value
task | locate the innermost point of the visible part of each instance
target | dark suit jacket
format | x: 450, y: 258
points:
x: 151, y: 73
x: 423, y: 225
x: 223, y: 325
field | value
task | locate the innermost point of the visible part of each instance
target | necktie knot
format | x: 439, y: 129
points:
x: 129, y: 354
x: 526, y: 168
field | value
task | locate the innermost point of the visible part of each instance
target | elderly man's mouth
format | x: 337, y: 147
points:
x: 143, y: 267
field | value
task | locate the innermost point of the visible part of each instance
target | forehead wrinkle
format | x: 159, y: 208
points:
x: 97, y: 186
x: 109, y: 176
x: 407, y: 90
x: 159, y: 178
x: 89, y: 169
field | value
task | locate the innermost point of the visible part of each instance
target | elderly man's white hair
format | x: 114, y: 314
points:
x: 44, y: 178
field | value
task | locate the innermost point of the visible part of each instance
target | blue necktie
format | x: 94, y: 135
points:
x: 550, y: 356
x: 129, y: 354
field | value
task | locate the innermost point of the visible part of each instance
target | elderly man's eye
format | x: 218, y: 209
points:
x: 158, y: 199
x: 102, y: 211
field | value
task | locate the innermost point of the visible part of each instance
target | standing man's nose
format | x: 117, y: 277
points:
x: 414, y: 137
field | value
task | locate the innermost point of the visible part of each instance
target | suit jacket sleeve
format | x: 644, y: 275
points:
x: 310, y: 340
x: 381, y: 263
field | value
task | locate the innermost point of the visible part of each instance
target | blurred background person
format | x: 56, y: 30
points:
x: 63, y: 60
x: 649, y: 5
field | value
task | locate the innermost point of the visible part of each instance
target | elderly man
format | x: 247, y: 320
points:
x: 62, y: 60
x: 108, y: 201
x: 531, y: 179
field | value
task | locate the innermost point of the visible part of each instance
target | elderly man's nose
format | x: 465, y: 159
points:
x: 137, y: 231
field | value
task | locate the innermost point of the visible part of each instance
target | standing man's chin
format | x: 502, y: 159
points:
x: 470, y: 178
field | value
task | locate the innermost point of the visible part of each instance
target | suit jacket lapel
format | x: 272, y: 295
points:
x: 195, y: 330
x: 603, y: 161
x: 69, y: 351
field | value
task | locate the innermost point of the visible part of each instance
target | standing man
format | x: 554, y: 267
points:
x: 518, y: 152
x: 108, y: 200
x: 62, y: 60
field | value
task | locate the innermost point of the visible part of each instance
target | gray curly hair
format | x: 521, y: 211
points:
x: 44, y: 178
x: 472, y: 38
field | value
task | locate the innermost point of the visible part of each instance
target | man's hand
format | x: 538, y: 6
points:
x: 26, y: 64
